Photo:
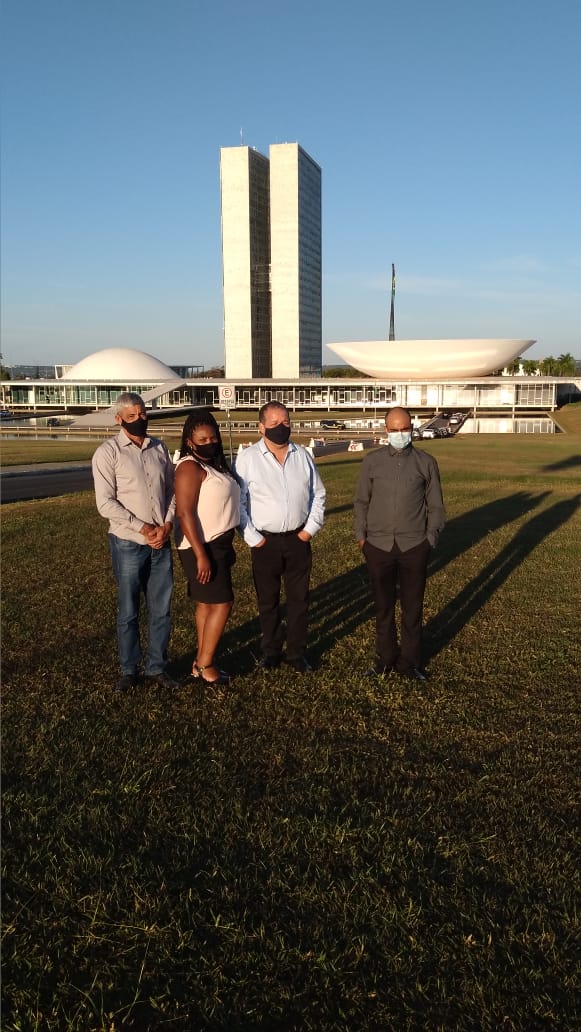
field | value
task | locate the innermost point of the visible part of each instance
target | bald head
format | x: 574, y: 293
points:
x: 398, y: 419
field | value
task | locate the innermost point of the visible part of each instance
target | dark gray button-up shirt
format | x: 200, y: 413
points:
x: 399, y: 499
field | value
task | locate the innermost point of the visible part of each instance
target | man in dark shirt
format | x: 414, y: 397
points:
x: 399, y: 513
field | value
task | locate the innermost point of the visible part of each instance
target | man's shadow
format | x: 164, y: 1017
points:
x: 573, y: 460
x: 336, y: 609
x: 443, y: 628
x: 340, y: 605
x: 465, y: 531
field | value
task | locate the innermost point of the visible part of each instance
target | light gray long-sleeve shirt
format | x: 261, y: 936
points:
x: 399, y: 499
x: 133, y: 485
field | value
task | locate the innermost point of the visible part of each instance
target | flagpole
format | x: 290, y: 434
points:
x: 392, y: 311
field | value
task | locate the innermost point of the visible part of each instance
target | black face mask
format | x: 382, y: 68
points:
x: 207, y: 451
x: 278, y: 434
x: 137, y: 428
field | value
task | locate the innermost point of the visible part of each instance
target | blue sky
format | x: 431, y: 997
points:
x: 448, y: 135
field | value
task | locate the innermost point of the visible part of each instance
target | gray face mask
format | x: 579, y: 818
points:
x: 399, y: 438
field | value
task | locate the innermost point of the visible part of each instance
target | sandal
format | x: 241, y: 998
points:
x: 196, y: 673
x: 222, y: 678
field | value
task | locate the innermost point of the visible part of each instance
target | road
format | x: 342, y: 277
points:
x: 25, y: 483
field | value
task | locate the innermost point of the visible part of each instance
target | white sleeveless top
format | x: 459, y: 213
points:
x: 218, y: 505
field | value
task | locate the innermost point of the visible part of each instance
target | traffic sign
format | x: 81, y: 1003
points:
x: 226, y: 395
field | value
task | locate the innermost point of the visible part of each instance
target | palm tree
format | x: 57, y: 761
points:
x: 548, y: 365
x: 566, y: 364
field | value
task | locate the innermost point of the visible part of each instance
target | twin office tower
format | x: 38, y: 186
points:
x: 271, y: 257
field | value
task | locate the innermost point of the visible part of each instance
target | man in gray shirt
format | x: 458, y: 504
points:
x: 133, y: 477
x: 399, y: 513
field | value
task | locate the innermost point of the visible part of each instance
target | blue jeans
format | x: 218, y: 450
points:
x: 140, y: 568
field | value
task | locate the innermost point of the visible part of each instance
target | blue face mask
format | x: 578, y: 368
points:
x: 399, y: 438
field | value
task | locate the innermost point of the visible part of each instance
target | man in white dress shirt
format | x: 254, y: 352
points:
x: 282, y: 506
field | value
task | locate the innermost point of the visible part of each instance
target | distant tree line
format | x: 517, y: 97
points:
x: 217, y: 372
x: 348, y: 371
x: 563, y: 365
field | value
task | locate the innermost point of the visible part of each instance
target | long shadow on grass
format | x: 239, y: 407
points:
x: 344, y: 603
x: 337, y: 608
x: 444, y: 627
x: 467, y: 530
x: 341, y: 605
x: 573, y: 460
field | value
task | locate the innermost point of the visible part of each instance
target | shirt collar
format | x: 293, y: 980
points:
x: 124, y: 439
x: 264, y: 449
x: 399, y: 451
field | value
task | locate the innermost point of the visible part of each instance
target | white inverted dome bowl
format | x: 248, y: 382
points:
x: 429, y: 359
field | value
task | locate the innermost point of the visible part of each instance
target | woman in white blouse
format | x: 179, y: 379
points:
x: 207, y: 511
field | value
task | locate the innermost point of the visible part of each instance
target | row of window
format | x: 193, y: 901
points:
x: 437, y: 395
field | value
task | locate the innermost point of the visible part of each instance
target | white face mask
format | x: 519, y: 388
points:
x: 399, y: 438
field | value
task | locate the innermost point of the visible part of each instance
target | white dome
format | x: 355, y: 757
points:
x: 120, y: 365
x: 429, y: 359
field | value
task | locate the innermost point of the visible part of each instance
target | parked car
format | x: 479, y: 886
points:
x: 332, y: 424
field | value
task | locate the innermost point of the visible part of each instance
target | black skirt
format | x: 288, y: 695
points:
x: 222, y: 557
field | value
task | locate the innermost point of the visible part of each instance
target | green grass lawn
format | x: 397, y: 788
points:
x: 309, y: 853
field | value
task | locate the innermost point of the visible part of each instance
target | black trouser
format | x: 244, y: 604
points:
x: 386, y: 570
x: 284, y: 558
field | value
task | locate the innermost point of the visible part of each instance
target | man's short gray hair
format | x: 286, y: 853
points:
x: 126, y: 400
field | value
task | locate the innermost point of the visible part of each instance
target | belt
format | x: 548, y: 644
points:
x: 281, y: 533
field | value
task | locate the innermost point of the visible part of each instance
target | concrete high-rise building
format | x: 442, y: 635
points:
x: 295, y: 261
x: 271, y: 255
x: 246, y: 262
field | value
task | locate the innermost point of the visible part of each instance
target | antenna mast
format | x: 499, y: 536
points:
x: 392, y: 310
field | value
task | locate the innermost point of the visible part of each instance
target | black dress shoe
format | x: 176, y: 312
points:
x: 126, y: 682
x: 163, y: 680
x: 378, y: 670
x: 301, y: 665
x: 269, y: 662
x: 414, y: 674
